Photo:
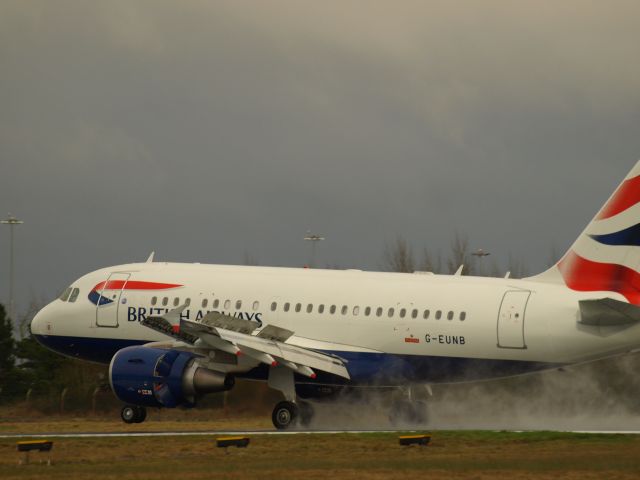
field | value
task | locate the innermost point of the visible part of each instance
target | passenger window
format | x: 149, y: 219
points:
x: 379, y: 312
x: 205, y: 302
x: 227, y: 304
x: 332, y: 310
x: 215, y: 303
x: 274, y: 305
x: 154, y: 300
x: 165, y: 301
x: 344, y: 309
x: 286, y: 307
x: 390, y: 312
x: 367, y: 311
x: 256, y: 305
x: 238, y: 304
x: 309, y: 308
x: 438, y: 315
x: 65, y: 295
x: 463, y: 316
x: 450, y: 315
x: 321, y: 308
x: 414, y: 313
x: 298, y: 307
x: 187, y: 302
x: 176, y: 301
x: 426, y: 313
x: 74, y: 295
x: 403, y: 312
x: 356, y: 310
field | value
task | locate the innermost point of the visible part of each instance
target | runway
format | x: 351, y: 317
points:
x: 188, y: 433
x: 264, y: 432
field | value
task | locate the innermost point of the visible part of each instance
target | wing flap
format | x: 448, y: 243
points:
x: 290, y: 353
x: 162, y: 325
x: 265, y: 350
x: 271, y: 332
x: 221, y: 320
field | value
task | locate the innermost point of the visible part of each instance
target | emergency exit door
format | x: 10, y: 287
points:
x: 108, y: 303
x: 511, y: 319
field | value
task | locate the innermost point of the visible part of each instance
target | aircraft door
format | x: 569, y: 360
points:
x: 511, y: 319
x: 109, y: 300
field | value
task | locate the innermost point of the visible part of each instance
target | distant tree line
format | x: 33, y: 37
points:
x: 399, y: 256
x: 28, y: 370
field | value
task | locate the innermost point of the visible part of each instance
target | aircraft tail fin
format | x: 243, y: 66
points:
x: 606, y: 256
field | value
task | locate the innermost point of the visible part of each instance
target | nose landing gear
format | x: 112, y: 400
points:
x: 133, y: 414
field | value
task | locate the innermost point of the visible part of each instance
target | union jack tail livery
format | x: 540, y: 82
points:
x: 606, y: 257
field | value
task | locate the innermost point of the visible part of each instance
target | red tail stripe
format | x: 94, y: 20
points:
x: 133, y: 285
x: 625, y: 197
x: 584, y: 275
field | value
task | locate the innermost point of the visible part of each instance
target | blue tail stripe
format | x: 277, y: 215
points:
x: 627, y: 237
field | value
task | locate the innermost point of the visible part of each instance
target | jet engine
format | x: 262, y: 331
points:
x: 154, y: 377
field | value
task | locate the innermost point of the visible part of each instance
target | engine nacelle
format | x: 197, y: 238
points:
x: 162, y: 378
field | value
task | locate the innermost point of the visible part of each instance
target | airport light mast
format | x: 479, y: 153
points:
x: 12, y: 222
x: 314, y: 239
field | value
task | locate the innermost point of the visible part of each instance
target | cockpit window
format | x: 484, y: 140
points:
x: 65, y: 294
x: 74, y: 294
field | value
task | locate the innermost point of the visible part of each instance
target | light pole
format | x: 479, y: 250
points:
x: 12, y: 222
x: 314, y: 239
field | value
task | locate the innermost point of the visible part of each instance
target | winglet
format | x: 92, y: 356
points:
x: 150, y: 259
x: 459, y: 271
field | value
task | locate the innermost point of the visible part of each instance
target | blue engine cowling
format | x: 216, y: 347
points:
x: 156, y: 377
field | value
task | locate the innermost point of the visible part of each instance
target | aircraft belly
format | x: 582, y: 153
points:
x: 384, y: 369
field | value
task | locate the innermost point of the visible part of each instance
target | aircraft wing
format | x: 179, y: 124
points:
x: 236, y: 336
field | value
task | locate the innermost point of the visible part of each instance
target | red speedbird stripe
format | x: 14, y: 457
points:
x: 134, y: 285
x: 587, y: 276
x: 625, y: 197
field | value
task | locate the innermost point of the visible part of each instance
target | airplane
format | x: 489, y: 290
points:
x: 172, y: 332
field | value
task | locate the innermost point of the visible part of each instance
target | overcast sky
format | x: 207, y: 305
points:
x: 204, y: 130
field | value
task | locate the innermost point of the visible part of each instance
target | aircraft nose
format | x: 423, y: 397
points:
x: 40, y: 322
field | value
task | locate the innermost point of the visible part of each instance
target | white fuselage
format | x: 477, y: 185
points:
x: 475, y: 326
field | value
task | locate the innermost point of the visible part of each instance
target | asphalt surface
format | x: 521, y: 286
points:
x: 252, y: 432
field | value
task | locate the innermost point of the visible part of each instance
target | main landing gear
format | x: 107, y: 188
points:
x: 288, y: 413
x: 406, y: 413
x: 409, y: 407
x: 133, y: 414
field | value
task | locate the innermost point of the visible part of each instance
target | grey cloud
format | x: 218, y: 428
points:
x: 206, y: 129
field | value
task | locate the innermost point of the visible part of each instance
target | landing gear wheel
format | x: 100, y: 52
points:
x: 306, y: 413
x: 284, y: 415
x: 128, y: 413
x: 133, y: 414
x: 141, y: 414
